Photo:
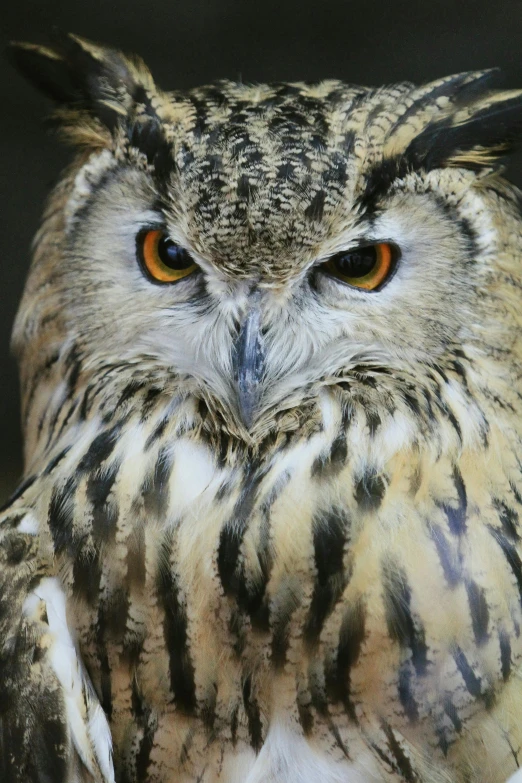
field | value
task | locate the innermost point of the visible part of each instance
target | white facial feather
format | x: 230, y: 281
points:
x: 307, y: 335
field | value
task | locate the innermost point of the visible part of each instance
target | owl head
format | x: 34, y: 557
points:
x: 254, y: 245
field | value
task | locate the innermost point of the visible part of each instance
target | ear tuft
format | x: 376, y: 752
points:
x: 475, y: 137
x: 457, y: 121
x: 93, y: 83
x: 44, y: 68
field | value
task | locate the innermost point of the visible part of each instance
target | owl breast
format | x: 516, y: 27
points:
x: 330, y: 606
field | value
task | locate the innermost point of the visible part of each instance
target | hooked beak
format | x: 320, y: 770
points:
x: 249, y: 363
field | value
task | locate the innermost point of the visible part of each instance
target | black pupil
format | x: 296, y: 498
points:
x: 356, y: 263
x: 172, y: 255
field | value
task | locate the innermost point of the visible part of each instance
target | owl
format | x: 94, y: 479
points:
x: 271, y: 367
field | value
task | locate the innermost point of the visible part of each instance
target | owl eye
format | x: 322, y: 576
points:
x: 163, y: 260
x: 366, y: 267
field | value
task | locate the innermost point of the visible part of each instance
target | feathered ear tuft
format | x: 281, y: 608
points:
x: 457, y: 121
x: 474, y: 137
x: 94, y: 87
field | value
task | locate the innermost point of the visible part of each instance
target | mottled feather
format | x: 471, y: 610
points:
x: 328, y: 585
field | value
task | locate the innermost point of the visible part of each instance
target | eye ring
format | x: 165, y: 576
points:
x: 367, y: 268
x: 162, y: 260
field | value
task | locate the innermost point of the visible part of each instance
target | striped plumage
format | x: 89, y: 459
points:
x: 332, y: 590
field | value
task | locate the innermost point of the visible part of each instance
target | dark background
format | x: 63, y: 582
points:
x: 186, y: 42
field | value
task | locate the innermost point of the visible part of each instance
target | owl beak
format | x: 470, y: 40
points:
x: 249, y: 364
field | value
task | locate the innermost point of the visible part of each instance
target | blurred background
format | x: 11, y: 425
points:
x: 189, y: 42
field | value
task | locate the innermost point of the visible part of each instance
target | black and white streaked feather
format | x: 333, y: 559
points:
x: 269, y: 528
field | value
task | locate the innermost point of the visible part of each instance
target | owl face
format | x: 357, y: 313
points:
x: 215, y: 325
x: 253, y: 244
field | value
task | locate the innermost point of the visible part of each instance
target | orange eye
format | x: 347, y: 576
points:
x: 162, y: 259
x: 365, y: 267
